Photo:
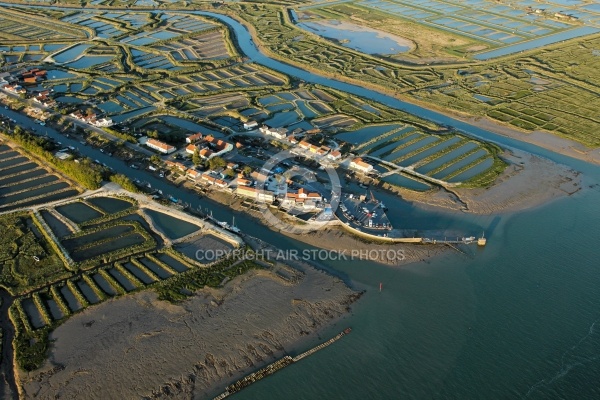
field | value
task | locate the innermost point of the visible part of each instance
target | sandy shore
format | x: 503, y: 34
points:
x: 527, y: 182
x: 546, y: 140
x: 137, y: 346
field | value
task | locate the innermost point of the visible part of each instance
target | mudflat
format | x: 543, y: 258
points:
x: 137, y: 346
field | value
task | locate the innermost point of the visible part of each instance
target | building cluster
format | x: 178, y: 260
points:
x: 562, y: 15
x: 38, y: 114
x: 558, y: 15
x: 43, y: 97
x: 207, y: 146
x: 302, y: 147
x: 14, y: 88
x: 264, y: 186
x: 269, y: 187
x: 256, y: 186
x: 15, y: 82
x: 277, y: 133
x: 92, y: 119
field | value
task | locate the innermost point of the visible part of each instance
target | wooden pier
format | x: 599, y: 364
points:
x: 276, y: 366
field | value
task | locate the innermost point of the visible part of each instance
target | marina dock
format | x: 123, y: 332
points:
x: 276, y: 366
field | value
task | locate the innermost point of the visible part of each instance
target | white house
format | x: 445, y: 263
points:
x: 160, y: 146
x: 302, y: 196
x: 193, y: 138
x: 103, y: 122
x: 192, y: 174
x: 250, y: 125
x: 278, y: 133
x: 256, y: 194
x: 219, y: 147
x: 359, y: 165
x: 334, y: 155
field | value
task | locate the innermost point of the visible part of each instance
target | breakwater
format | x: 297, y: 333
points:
x: 276, y: 366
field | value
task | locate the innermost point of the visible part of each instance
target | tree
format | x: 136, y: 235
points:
x: 124, y: 182
x: 229, y: 172
x: 216, y: 163
x: 196, y: 159
x: 247, y: 170
x: 155, y: 159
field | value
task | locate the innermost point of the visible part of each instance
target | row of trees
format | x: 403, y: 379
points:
x: 124, y: 182
x: 82, y: 171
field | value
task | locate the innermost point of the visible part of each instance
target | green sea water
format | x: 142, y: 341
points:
x: 518, y: 319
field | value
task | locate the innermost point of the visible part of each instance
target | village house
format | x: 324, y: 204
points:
x: 102, y: 122
x: 190, y: 148
x: 242, y: 181
x: 304, y: 145
x: 359, y: 165
x: 334, y: 155
x: 259, y: 176
x: 278, y: 133
x: 35, y: 72
x: 255, y: 194
x: 44, y: 99
x: 314, y: 149
x: 208, y: 179
x: 323, y: 150
x: 302, y: 195
x: 192, y: 174
x: 218, y: 147
x: 81, y: 117
x: 175, y: 165
x: 33, y: 76
x: 160, y: 146
x: 17, y: 89
x: 250, y: 125
x: 206, y: 154
x: 301, y: 198
x: 91, y: 119
x: 30, y: 80
x: 193, y: 138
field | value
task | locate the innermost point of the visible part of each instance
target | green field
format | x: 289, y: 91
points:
x: 553, y: 89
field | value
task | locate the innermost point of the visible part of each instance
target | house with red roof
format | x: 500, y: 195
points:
x: 160, y: 146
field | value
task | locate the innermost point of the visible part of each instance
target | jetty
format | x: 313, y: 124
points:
x: 464, y: 240
x: 276, y: 366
